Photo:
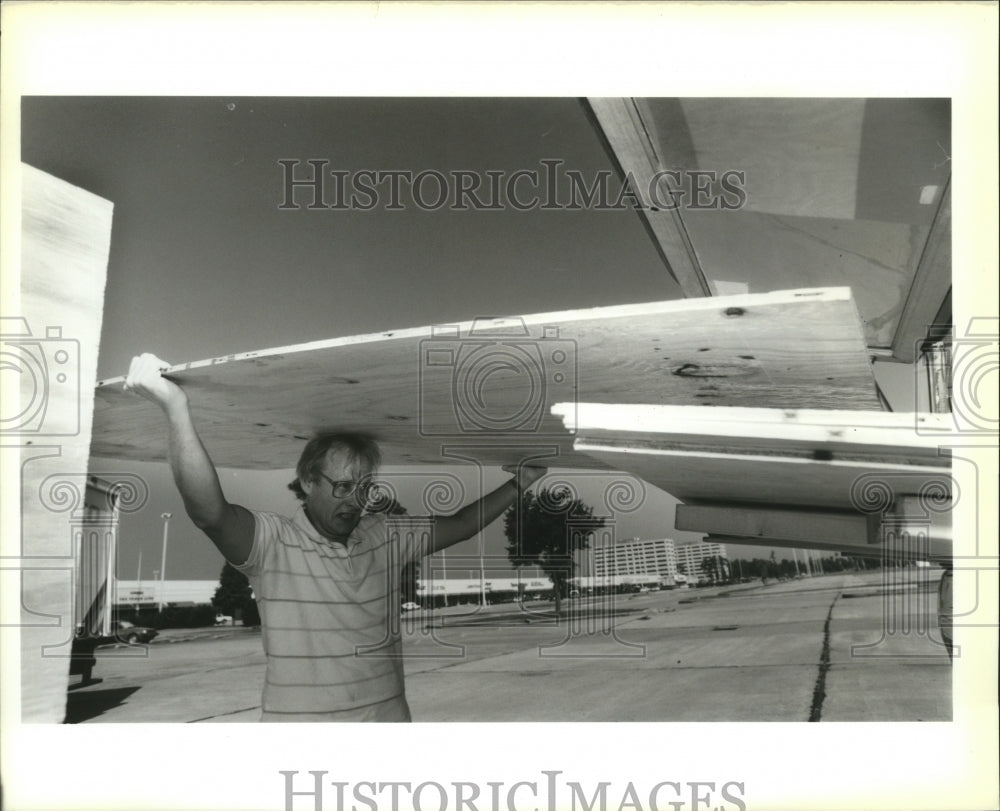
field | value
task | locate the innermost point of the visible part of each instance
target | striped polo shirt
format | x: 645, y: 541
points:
x: 329, y: 615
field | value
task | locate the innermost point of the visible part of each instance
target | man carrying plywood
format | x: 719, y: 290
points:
x: 327, y: 579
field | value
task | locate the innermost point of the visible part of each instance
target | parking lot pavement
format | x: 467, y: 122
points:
x: 170, y: 635
x: 785, y: 652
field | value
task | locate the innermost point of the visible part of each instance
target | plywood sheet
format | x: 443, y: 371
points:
x: 928, y: 549
x: 800, y: 156
x: 866, y: 436
x: 782, y: 524
x: 628, y: 134
x: 491, y: 383
x: 773, y: 480
x: 830, y: 191
x: 845, y: 461
x: 51, y: 341
x: 847, y: 532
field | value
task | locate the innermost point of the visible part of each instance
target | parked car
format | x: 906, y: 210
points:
x: 223, y: 619
x: 131, y: 634
x: 411, y: 606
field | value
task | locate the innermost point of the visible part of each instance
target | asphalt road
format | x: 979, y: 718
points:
x: 829, y: 648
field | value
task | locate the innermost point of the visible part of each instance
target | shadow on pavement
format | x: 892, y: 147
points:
x: 84, y: 706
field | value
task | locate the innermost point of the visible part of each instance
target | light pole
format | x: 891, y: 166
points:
x: 163, y: 560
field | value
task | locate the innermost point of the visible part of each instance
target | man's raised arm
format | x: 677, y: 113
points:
x: 230, y: 526
x: 473, y: 517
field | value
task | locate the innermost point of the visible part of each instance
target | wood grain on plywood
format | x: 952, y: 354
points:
x: 52, y: 342
x: 492, y: 383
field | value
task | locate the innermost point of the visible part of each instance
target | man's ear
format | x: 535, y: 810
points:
x: 306, y: 486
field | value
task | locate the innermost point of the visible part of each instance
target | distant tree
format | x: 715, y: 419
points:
x: 544, y: 530
x: 715, y: 568
x: 833, y: 564
x: 235, y: 597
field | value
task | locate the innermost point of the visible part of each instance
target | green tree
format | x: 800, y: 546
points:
x: 235, y: 597
x: 544, y: 530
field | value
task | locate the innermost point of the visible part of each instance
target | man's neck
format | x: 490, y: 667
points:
x: 341, y: 539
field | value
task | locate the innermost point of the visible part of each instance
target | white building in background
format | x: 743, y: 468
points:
x: 146, y: 593
x: 473, y: 587
x: 635, y: 558
x: 176, y: 592
x: 690, y: 556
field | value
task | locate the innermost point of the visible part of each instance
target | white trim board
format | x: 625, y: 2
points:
x: 907, y: 438
x: 488, y: 385
x: 929, y: 549
x: 732, y: 478
x: 849, y: 461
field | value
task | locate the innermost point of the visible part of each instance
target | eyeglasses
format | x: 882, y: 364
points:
x: 343, y: 489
